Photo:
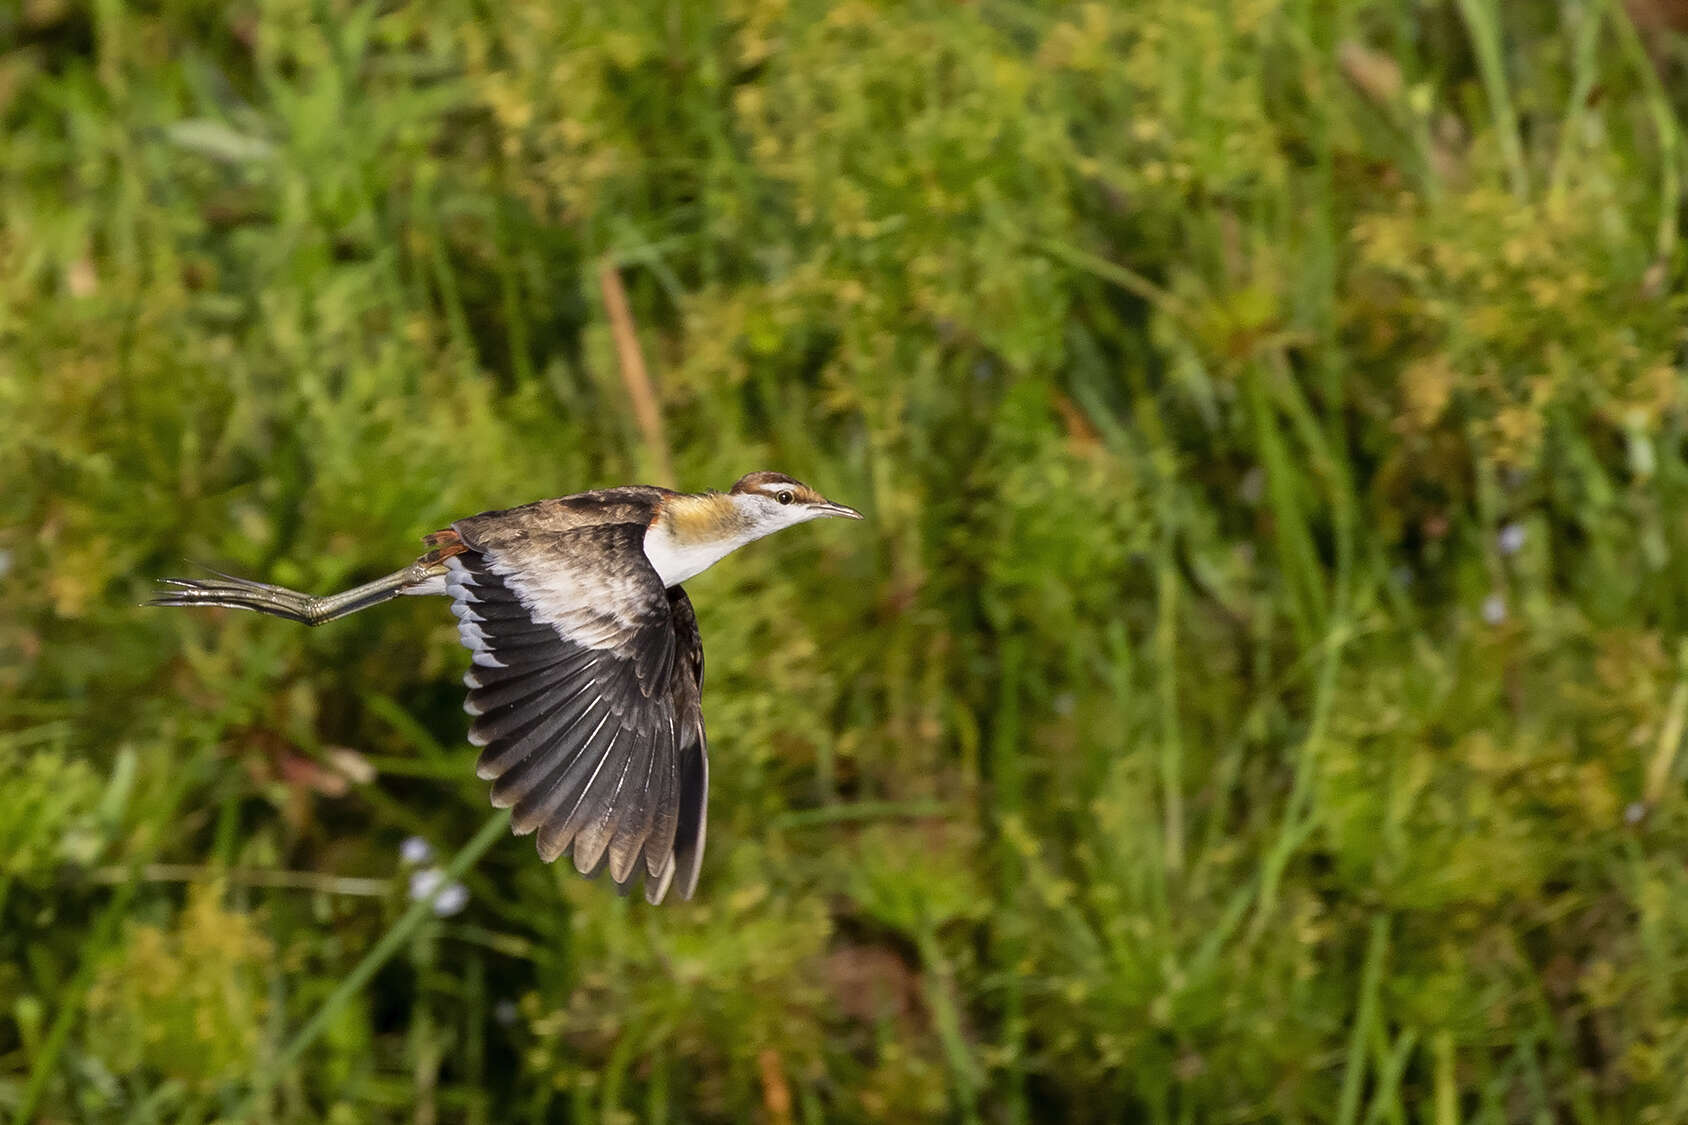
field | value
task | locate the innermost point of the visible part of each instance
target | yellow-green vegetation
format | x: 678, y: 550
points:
x: 189, y: 1004
x: 1257, y: 691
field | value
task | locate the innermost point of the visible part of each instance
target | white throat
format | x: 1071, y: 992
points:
x: 675, y: 562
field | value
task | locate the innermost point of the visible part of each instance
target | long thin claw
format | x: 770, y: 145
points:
x: 235, y: 593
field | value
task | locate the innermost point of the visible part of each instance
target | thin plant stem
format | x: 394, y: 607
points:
x: 391, y: 943
x: 1482, y: 23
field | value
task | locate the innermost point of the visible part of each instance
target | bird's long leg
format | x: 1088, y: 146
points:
x: 278, y: 601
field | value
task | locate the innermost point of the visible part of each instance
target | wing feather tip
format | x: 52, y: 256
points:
x: 627, y: 850
x: 657, y: 884
x: 586, y: 860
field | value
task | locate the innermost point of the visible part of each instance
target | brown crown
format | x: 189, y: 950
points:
x: 766, y: 481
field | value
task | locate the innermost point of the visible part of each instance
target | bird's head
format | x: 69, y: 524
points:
x: 771, y: 501
x: 693, y: 531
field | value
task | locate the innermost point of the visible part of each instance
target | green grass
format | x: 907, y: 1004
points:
x: 1256, y: 693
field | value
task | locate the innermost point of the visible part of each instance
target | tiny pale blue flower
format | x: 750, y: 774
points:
x: 451, y: 900
x: 415, y: 851
x: 423, y: 882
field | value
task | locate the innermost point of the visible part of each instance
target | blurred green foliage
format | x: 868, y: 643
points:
x: 1256, y: 693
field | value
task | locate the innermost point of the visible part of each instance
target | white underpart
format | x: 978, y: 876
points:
x: 675, y: 562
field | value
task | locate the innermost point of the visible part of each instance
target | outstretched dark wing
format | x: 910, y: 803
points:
x: 586, y: 696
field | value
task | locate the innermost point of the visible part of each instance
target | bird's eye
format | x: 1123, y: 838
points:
x: 784, y: 498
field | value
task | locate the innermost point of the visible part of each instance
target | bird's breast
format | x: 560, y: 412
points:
x: 676, y: 559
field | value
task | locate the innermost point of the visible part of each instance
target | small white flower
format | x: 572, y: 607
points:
x: 1635, y: 813
x: 451, y: 900
x: 423, y: 882
x: 506, y: 1013
x: 1511, y: 539
x: 415, y: 851
x: 1494, y: 609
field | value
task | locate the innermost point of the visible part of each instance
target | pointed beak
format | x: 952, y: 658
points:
x: 831, y: 509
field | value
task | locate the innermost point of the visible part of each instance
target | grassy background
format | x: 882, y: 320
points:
x: 1256, y: 693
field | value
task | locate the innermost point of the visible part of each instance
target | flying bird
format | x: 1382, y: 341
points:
x: 586, y: 674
